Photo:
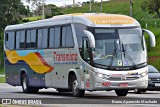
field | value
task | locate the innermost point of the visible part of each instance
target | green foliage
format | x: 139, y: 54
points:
x: 52, y: 10
x: 1, y: 50
x: 152, y: 6
x: 1, y: 70
x: 2, y: 79
x: 11, y: 12
x: 114, y: 7
x: 151, y: 23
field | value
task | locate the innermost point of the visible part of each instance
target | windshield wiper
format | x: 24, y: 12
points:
x: 130, y: 58
x: 114, y: 54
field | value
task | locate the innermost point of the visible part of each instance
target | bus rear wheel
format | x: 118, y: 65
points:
x: 25, y: 86
x: 75, y: 88
x: 121, y: 92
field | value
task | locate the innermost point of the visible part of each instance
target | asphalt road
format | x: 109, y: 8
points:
x: 98, y: 98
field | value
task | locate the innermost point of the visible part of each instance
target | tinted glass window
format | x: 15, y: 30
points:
x: 45, y: 38
x: 22, y: 39
x: 33, y: 39
x: 80, y: 33
x: 28, y: 39
x: 39, y: 38
x: 69, y: 37
x: 18, y: 39
x: 64, y: 34
x: 10, y: 40
x: 57, y: 37
x: 51, y: 38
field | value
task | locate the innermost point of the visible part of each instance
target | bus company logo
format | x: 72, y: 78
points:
x: 71, y: 57
x: 123, y: 78
x: 113, y: 21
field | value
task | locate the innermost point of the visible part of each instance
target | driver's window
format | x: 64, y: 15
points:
x: 86, y: 56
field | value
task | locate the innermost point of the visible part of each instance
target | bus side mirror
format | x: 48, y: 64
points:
x: 91, y: 38
x: 152, y: 37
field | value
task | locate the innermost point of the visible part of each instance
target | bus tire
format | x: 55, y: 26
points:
x: 144, y: 90
x: 121, y: 92
x: 25, y: 86
x: 75, y: 89
x: 63, y: 90
x: 137, y: 91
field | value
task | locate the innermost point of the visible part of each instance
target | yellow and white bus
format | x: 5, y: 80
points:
x: 77, y: 52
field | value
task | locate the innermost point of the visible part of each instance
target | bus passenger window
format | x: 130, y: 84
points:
x: 45, y: 38
x: 33, y: 39
x: 11, y: 40
x: 18, y: 39
x: 39, y: 38
x: 28, y: 40
x: 42, y: 38
x: 67, y: 37
x: 64, y: 33
x: 51, y: 38
x: 57, y: 37
x: 22, y: 40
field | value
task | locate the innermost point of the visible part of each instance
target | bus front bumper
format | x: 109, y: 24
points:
x: 102, y: 84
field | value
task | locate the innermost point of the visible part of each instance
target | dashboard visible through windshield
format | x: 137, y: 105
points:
x: 119, y: 47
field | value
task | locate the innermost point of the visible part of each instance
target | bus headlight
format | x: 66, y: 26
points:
x: 102, y: 76
x: 143, y: 74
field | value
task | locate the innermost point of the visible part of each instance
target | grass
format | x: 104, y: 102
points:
x: 1, y: 70
x: 114, y: 7
x: 2, y: 79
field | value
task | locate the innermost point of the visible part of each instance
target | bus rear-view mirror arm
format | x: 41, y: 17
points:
x: 91, y: 38
x: 152, y: 38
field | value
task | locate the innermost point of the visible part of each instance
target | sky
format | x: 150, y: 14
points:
x: 62, y: 2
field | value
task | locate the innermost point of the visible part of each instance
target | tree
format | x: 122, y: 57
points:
x: 52, y: 10
x: 11, y: 12
x: 152, y: 6
x: 35, y: 3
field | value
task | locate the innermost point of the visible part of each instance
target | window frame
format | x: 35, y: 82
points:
x: 65, y: 38
x: 48, y: 36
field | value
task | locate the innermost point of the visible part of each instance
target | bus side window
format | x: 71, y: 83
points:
x: 51, y: 37
x: 42, y: 38
x: 10, y: 42
x: 85, y: 49
x: 57, y: 37
x: 79, y: 29
x: 45, y: 38
x: 39, y: 38
x: 67, y: 37
x: 18, y: 39
x: 33, y: 39
x: 22, y: 40
x: 28, y: 39
x: 6, y: 36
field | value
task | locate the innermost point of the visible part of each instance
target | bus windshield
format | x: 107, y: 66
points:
x: 119, y: 47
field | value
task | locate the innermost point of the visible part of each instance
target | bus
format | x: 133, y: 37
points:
x: 76, y: 53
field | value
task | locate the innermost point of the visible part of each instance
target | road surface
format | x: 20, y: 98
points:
x: 98, y: 98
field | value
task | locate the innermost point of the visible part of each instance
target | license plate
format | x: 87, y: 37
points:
x: 157, y: 84
x: 123, y: 85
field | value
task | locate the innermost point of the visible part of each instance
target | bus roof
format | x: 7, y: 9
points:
x: 89, y: 19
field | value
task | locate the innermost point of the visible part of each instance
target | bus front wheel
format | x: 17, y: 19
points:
x: 121, y: 92
x: 137, y: 91
x: 75, y: 88
x: 25, y: 86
